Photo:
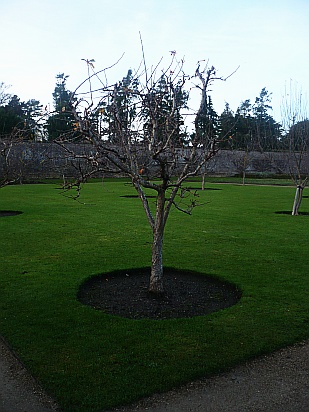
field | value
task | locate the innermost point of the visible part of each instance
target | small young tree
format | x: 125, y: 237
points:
x: 296, y: 141
x: 142, y: 134
x: 243, y: 139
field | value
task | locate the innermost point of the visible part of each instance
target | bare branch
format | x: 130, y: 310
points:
x: 97, y: 74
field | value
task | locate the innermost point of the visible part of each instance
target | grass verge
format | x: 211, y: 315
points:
x: 91, y: 361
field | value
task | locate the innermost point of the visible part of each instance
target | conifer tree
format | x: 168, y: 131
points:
x: 61, y: 121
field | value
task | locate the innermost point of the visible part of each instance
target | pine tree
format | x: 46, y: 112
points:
x: 11, y: 117
x: 226, y: 128
x: 61, y: 121
x: 266, y: 130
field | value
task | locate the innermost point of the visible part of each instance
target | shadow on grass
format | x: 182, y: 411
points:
x: 154, y: 197
x: 5, y: 213
x: 137, y: 197
x: 203, y: 190
x: 288, y: 212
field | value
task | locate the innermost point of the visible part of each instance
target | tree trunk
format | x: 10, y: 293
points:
x: 244, y: 177
x: 156, y: 276
x: 203, y: 181
x: 297, y: 200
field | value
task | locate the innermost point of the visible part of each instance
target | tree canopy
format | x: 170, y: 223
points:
x: 18, y: 118
x: 141, y: 133
x: 61, y: 120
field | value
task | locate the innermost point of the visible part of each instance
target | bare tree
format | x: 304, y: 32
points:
x: 10, y: 165
x: 296, y: 125
x: 139, y: 128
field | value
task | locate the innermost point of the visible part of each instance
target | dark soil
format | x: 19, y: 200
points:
x: 187, y: 294
x: 4, y: 213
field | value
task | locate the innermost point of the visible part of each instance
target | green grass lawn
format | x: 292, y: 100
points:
x: 91, y: 361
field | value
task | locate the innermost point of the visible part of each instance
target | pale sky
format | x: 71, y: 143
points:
x: 268, y: 39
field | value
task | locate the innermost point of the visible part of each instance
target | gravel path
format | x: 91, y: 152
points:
x: 274, y: 383
x: 19, y: 392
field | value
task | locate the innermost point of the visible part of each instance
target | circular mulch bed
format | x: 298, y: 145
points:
x: 4, y: 213
x: 187, y: 294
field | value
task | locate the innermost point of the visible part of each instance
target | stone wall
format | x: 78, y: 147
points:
x: 36, y: 161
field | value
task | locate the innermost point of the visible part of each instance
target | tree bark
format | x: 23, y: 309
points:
x: 297, y: 200
x: 203, y: 181
x: 156, y: 276
x: 244, y: 177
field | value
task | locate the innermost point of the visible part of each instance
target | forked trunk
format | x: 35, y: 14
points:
x: 297, y: 200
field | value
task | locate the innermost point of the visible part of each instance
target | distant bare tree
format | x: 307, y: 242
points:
x: 137, y: 128
x: 10, y: 167
x: 296, y: 124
